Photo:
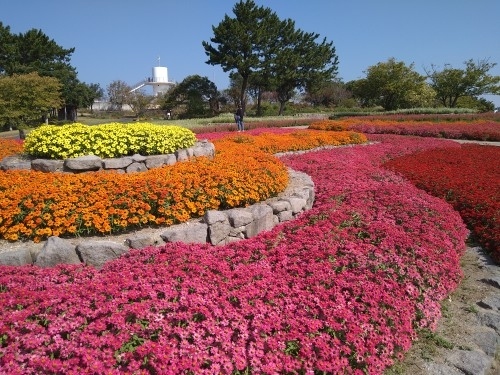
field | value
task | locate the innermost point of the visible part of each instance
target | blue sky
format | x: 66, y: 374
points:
x: 122, y: 39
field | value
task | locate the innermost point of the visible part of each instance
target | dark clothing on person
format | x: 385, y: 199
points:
x: 238, y: 117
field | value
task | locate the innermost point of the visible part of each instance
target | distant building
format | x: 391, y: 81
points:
x: 159, y: 81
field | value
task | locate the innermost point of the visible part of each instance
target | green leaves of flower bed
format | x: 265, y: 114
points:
x: 106, y: 140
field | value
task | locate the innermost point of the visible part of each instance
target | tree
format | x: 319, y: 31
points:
x: 390, y: 84
x: 329, y: 94
x: 95, y: 92
x: 76, y: 95
x: 195, y: 96
x: 269, y: 54
x: 33, y: 51
x: 239, y: 41
x: 139, y: 102
x: 451, y: 83
x: 299, y: 62
x: 118, y: 93
x: 27, y: 98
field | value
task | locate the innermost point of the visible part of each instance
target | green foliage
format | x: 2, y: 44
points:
x: 32, y: 51
x: 392, y: 85
x: 239, y: 41
x: 27, y: 98
x: 451, y: 83
x: 118, y: 93
x: 139, y: 102
x: 194, y: 97
x: 269, y: 53
x: 35, y: 52
x: 106, y: 140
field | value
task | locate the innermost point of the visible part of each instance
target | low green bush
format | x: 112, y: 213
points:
x: 106, y: 140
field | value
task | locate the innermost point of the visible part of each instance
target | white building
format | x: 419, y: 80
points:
x: 159, y: 81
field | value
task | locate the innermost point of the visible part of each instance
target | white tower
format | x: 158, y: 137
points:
x: 159, y: 81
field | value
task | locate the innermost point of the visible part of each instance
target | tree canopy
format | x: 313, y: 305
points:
x: 269, y: 53
x: 451, y: 84
x: 33, y: 51
x: 392, y: 85
x: 195, y: 96
x: 27, y: 98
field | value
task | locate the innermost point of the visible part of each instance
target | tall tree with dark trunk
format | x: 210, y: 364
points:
x: 268, y: 53
x: 237, y: 44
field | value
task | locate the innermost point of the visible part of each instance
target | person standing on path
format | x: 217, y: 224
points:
x: 238, y: 117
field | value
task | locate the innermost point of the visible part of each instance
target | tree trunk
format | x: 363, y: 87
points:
x: 282, y: 108
x: 259, y: 100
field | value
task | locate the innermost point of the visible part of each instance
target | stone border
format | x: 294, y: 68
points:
x: 215, y: 227
x: 92, y: 163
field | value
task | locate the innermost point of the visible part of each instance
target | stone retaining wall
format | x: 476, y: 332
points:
x: 216, y: 228
x: 126, y: 164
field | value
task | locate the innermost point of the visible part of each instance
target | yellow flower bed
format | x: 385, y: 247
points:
x: 36, y: 205
x: 106, y: 140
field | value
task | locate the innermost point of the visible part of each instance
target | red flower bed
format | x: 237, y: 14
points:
x: 469, y: 178
x: 342, y: 289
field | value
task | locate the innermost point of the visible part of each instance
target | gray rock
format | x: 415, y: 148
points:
x: 171, y: 159
x: 14, y: 162
x: 490, y: 319
x: 117, y: 163
x: 432, y: 368
x: 181, y: 155
x: 138, y: 158
x: 98, y: 253
x: 470, y: 362
x: 136, y: 167
x: 239, y: 217
x: 494, y: 280
x: 285, y: 216
x: 83, y: 163
x: 487, y: 340
x: 156, y: 161
x: 262, y: 220
x: 218, y: 231
x: 140, y: 241
x: 192, y: 232
x: 280, y: 206
x: 19, y: 257
x: 204, y: 148
x: 298, y: 204
x: 491, y: 302
x: 57, y: 251
x: 214, y: 216
x: 46, y: 165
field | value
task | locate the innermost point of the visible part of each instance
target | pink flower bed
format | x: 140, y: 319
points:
x: 342, y: 289
x: 479, y: 130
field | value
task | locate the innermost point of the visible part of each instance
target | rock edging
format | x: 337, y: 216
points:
x: 92, y: 163
x: 215, y: 227
x: 480, y: 355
